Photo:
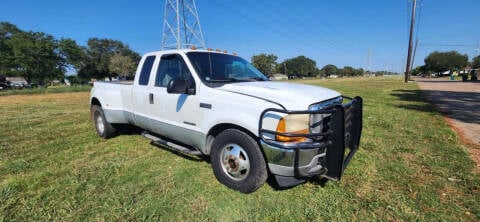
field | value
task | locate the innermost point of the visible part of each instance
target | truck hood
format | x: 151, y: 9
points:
x: 292, y: 96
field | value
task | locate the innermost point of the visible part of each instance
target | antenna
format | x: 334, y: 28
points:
x: 181, y: 25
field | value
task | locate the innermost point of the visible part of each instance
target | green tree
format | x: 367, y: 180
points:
x: 348, y: 71
x: 300, y: 66
x: 444, y: 61
x: 359, y: 72
x: 418, y: 70
x: 7, y: 30
x: 35, y: 57
x: 329, y: 70
x: 265, y: 63
x: 72, y: 54
x: 98, y: 54
x: 123, y: 65
x: 476, y: 62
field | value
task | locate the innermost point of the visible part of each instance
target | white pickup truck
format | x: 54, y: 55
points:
x: 215, y: 104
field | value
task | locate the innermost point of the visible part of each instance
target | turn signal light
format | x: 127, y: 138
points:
x: 282, y: 128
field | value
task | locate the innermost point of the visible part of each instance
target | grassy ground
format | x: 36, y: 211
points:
x: 51, y: 89
x: 54, y: 167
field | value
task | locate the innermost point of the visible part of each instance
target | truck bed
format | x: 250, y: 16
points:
x: 119, y: 103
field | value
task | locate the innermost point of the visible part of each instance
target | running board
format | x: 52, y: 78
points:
x: 171, y: 145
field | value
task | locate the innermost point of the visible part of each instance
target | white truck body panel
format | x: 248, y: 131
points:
x: 238, y: 104
x: 189, y: 117
x: 293, y: 96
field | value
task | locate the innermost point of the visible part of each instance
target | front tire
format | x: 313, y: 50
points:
x: 237, y: 161
x: 103, y: 127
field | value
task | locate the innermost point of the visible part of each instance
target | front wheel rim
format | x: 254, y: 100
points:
x: 235, y: 161
x: 99, y: 123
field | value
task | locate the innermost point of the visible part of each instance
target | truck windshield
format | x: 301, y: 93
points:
x: 217, y: 67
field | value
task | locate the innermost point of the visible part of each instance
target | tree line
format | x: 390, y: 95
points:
x: 300, y: 66
x: 439, y: 62
x: 41, y: 58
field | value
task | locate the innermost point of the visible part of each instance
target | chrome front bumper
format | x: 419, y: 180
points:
x: 282, y: 161
x: 325, y: 154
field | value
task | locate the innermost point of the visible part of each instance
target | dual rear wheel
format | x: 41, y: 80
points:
x: 103, y: 127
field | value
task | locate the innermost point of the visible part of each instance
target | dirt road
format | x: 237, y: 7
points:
x: 460, y: 102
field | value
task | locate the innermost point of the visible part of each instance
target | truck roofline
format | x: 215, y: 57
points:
x: 186, y: 51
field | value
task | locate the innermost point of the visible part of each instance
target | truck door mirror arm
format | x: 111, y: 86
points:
x: 180, y: 86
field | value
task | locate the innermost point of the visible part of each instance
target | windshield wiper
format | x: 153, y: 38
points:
x: 224, y: 80
x: 237, y: 80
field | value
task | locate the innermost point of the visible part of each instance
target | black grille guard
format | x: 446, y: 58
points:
x: 345, y: 129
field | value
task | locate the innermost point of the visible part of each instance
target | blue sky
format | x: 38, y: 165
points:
x: 338, y: 32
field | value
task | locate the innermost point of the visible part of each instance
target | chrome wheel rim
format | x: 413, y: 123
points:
x: 99, y: 123
x: 235, y: 162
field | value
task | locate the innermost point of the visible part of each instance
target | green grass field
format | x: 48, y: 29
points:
x: 50, y: 89
x: 53, y: 166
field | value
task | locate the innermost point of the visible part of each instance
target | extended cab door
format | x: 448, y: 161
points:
x: 176, y: 116
x: 141, y: 95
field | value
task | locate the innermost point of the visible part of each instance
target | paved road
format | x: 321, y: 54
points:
x: 460, y: 101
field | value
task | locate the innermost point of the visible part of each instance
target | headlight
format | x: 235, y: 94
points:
x: 317, y: 120
x: 325, y: 104
x: 296, y: 124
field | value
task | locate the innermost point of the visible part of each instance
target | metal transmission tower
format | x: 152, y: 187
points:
x: 181, y: 25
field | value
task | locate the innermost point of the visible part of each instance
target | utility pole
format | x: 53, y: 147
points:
x: 410, y: 42
x: 181, y: 25
x: 414, y: 53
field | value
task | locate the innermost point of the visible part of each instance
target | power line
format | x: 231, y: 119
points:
x: 301, y: 28
x: 414, y: 52
x: 407, y: 18
x: 270, y: 7
x: 330, y: 31
x: 420, y: 6
x: 274, y: 17
x: 448, y: 44
x: 477, y: 49
x: 419, y: 16
x: 256, y: 22
x: 262, y: 24
x: 332, y: 47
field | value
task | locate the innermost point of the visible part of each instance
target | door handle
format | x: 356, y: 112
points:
x: 150, y: 98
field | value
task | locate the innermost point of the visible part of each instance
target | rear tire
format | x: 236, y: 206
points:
x: 103, y: 127
x: 237, y: 161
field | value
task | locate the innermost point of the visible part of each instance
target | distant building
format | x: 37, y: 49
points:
x: 278, y: 76
x: 17, y: 81
x: 333, y: 76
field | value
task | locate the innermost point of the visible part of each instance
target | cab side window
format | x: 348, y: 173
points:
x: 172, y: 67
x: 146, y: 69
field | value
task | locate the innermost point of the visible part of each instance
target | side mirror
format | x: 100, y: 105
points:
x: 179, y: 86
